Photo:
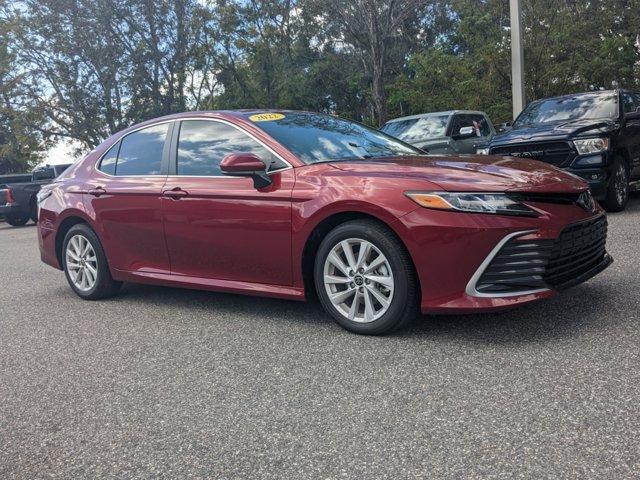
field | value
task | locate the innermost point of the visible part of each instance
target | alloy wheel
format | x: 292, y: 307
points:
x: 82, y: 263
x: 621, y: 184
x: 358, y: 280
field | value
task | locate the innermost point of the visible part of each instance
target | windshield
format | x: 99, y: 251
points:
x: 586, y: 106
x: 317, y: 138
x: 417, y: 129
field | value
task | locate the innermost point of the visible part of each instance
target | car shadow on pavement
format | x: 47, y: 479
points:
x: 6, y: 226
x: 225, y: 304
x: 634, y: 203
x: 584, y: 308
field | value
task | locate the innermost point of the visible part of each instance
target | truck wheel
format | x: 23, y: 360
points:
x: 16, y: 220
x: 33, y: 212
x: 618, y: 189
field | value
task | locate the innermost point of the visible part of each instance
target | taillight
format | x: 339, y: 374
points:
x: 8, y: 195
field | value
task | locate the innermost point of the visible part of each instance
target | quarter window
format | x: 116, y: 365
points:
x: 141, y: 151
x: 203, y: 144
x: 108, y: 162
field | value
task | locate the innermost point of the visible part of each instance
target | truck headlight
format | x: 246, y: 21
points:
x: 591, y: 145
x: 497, y: 203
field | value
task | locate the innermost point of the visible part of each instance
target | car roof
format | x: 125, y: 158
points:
x: 435, y: 114
x: 228, y: 115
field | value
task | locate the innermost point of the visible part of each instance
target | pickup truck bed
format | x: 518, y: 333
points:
x: 18, y: 203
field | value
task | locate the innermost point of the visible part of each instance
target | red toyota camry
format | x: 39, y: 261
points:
x: 284, y: 203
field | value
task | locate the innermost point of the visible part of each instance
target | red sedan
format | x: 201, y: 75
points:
x: 286, y: 203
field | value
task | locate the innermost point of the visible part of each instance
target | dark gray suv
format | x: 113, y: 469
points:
x: 454, y: 132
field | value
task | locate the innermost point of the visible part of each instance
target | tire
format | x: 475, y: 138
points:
x: 618, y: 189
x: 17, y: 220
x: 397, y: 282
x: 103, y: 285
x: 33, y: 211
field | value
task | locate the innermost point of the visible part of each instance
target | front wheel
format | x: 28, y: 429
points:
x: 618, y: 189
x: 85, y: 264
x: 365, y: 278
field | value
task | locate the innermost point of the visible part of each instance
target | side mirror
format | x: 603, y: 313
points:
x: 465, y: 132
x: 246, y: 165
x: 503, y: 127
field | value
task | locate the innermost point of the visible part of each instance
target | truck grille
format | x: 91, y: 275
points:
x: 555, y: 153
x: 523, y: 266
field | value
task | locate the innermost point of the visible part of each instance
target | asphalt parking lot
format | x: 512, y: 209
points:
x: 168, y: 383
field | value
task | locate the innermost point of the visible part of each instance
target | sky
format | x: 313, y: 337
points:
x: 61, y: 152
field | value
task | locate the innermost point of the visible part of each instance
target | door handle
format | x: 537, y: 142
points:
x: 97, y: 191
x: 176, y: 193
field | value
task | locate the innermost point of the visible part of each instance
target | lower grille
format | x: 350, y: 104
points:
x: 524, y: 266
x: 555, y: 153
x: 580, y: 247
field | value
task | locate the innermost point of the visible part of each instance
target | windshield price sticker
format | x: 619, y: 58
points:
x: 266, y: 117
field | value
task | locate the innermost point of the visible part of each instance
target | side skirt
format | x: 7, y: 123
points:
x: 211, y: 284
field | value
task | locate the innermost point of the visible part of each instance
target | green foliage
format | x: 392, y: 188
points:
x: 21, y: 143
x: 84, y: 69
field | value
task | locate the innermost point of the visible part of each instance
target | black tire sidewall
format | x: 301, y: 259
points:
x: 611, y: 202
x: 104, y: 282
x: 33, y: 212
x: 16, y: 221
x: 404, y: 290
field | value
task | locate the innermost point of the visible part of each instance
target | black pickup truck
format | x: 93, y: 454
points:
x: 594, y: 135
x: 18, y: 202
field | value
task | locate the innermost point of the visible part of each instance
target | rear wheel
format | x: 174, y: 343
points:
x: 17, y: 220
x: 85, y: 264
x: 618, y: 189
x: 365, y: 278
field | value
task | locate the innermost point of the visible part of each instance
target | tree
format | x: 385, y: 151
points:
x: 380, y: 33
x: 21, y: 143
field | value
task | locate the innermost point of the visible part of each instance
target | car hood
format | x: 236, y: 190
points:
x: 554, y: 131
x: 470, y: 173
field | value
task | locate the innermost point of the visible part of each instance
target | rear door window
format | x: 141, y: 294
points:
x: 141, y: 151
x: 44, y: 174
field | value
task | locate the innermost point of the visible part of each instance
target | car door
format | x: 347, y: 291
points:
x: 219, y: 226
x: 481, y: 127
x: 125, y: 197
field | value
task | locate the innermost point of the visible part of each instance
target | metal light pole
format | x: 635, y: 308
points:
x: 517, y: 58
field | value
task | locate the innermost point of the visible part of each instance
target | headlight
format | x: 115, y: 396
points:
x: 482, y: 151
x: 497, y: 203
x: 591, y: 145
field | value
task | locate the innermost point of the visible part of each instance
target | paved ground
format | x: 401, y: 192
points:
x: 163, y: 383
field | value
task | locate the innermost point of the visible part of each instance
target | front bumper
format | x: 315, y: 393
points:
x: 450, y: 250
